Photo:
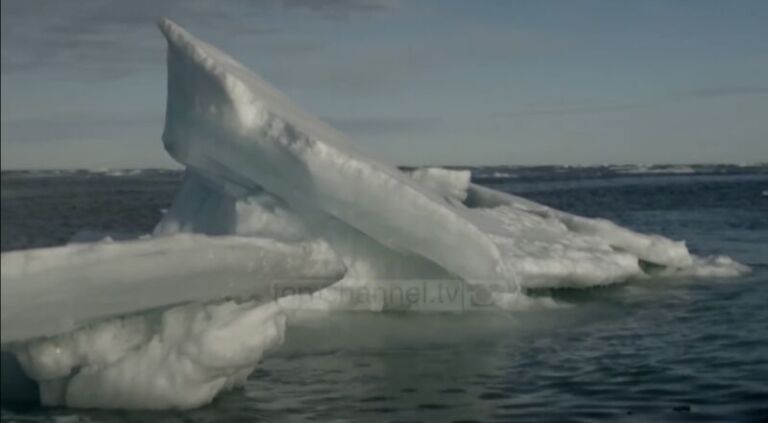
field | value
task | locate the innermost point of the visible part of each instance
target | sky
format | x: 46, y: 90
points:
x: 411, y: 82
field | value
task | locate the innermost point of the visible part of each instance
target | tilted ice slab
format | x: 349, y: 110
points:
x: 48, y: 291
x: 206, y: 206
x: 226, y: 123
x: 147, y: 323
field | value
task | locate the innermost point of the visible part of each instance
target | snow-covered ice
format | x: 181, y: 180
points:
x: 276, y: 203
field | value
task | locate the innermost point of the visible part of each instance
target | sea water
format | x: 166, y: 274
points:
x: 655, y: 349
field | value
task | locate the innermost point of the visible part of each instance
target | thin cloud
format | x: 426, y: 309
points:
x: 74, y: 127
x: 587, y: 108
x: 344, y: 9
x: 108, y: 38
x: 725, y: 91
x: 384, y: 125
x: 573, y: 109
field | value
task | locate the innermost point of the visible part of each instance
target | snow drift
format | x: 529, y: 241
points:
x: 276, y: 203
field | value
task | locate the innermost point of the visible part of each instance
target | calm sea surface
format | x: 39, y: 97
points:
x: 656, y: 350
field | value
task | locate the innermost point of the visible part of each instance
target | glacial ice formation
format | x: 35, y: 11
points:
x: 275, y: 203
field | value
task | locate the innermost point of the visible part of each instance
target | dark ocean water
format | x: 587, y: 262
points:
x: 657, y: 350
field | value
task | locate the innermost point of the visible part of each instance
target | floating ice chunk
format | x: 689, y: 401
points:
x: 586, y: 251
x: 652, y: 248
x: 178, y: 358
x: 226, y: 123
x: 544, y: 247
x: 546, y: 253
x: 707, y: 267
x: 53, y: 290
x: 654, y: 169
x: 59, y: 308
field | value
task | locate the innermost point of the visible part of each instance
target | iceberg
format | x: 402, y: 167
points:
x: 278, y: 212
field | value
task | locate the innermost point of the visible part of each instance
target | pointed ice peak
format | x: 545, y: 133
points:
x: 229, y: 125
